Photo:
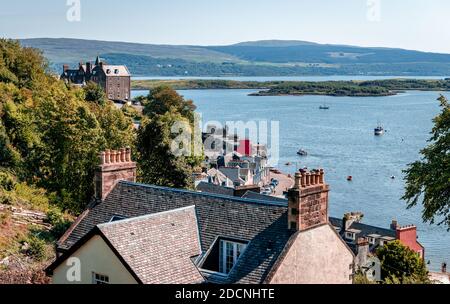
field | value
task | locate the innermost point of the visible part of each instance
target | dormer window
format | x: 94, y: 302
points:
x: 223, y: 255
x: 116, y: 71
x: 108, y: 71
x: 372, y: 240
x: 350, y: 235
x: 229, y: 254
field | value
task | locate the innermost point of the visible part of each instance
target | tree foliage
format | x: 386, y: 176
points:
x: 400, y: 265
x: 428, y: 180
x: 158, y: 165
x: 51, y: 134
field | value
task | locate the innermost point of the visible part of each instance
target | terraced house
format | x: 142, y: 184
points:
x: 138, y: 234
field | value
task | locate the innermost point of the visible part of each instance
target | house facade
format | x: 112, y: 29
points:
x: 114, y: 79
x: 224, y: 239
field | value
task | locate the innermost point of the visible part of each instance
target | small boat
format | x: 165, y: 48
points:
x: 288, y: 164
x: 302, y: 152
x: 350, y: 178
x: 324, y: 107
x: 379, y: 131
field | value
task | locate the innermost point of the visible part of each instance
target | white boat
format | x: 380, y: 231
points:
x: 379, y: 131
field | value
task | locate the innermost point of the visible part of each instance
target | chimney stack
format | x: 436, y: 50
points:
x: 308, y: 200
x: 114, y: 166
x: 394, y: 225
x: 362, y: 248
x: 407, y: 235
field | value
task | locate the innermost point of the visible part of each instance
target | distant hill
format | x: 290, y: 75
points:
x: 257, y: 58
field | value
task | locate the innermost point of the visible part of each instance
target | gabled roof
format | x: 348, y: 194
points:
x: 263, y: 224
x: 159, y: 247
x: 156, y: 248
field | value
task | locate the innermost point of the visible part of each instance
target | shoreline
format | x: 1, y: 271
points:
x: 339, y: 88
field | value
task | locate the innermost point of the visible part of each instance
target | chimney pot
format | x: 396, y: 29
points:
x: 122, y: 155
x: 298, y: 179
x: 117, y: 156
x: 107, y: 156
x: 128, y: 155
x: 308, y: 179
x: 102, y: 158
x: 321, y: 176
x: 303, y: 179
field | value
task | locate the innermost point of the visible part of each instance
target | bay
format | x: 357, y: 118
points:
x: 341, y: 141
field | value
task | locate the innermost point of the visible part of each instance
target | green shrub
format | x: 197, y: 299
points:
x: 36, y: 247
x: 58, y: 221
x: 7, y: 181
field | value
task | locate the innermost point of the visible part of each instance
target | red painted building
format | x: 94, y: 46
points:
x: 245, y: 147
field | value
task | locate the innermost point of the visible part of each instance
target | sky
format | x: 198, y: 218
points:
x: 409, y: 24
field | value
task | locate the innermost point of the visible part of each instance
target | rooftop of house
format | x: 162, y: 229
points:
x: 360, y: 229
x: 213, y: 188
x: 168, y: 240
x: 260, y: 223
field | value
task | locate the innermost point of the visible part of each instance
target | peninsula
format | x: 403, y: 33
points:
x: 355, y: 88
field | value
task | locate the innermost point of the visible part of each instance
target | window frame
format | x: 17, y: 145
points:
x: 238, y: 248
x: 100, y: 279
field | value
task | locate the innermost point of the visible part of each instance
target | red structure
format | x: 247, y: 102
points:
x: 245, y: 147
x: 408, y: 236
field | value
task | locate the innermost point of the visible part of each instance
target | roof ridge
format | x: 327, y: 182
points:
x: 231, y: 198
x: 144, y: 217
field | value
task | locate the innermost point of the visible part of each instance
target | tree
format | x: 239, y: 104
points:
x: 156, y: 140
x: 50, y: 133
x: 428, y: 180
x: 94, y: 93
x: 399, y: 264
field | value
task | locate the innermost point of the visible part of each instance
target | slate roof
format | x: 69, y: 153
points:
x: 263, y: 197
x: 116, y: 70
x: 365, y: 230
x: 213, y: 188
x: 158, y: 247
x: 262, y: 223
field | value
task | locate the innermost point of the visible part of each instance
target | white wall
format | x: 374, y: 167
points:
x: 94, y: 256
x: 317, y: 256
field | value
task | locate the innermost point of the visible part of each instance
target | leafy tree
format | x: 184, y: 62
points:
x: 428, y: 180
x: 94, y: 93
x: 164, y: 99
x: 399, y: 264
x: 156, y: 140
x: 50, y: 133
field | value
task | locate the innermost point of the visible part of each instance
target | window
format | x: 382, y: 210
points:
x: 350, y: 236
x: 99, y: 279
x: 229, y: 254
x: 116, y: 218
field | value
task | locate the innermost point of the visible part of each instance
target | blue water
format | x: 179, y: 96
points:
x: 341, y: 141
